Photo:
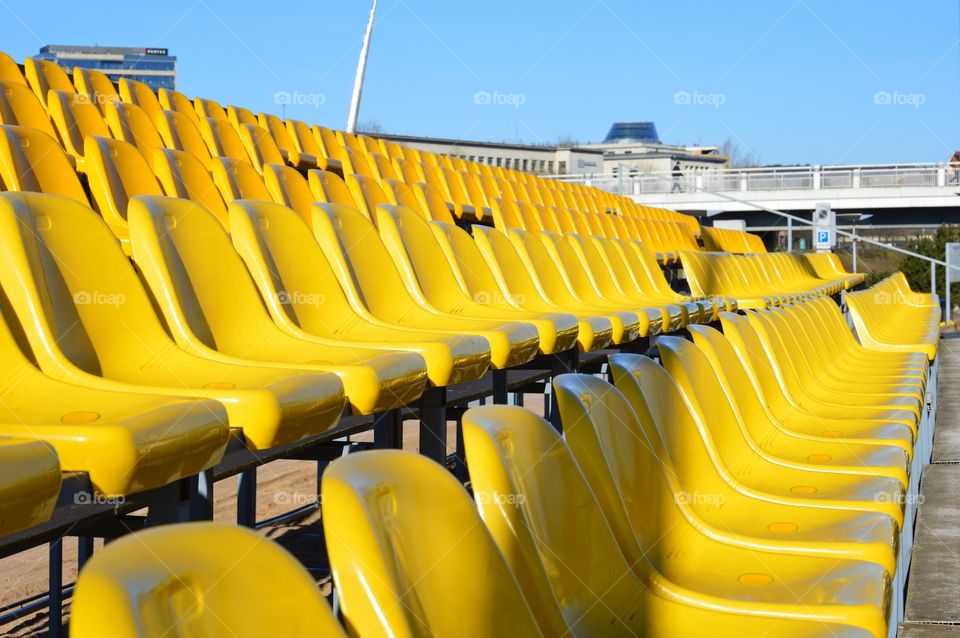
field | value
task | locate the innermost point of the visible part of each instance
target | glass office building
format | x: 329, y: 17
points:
x: 153, y: 66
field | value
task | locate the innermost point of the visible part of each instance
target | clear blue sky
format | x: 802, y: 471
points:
x: 793, y: 81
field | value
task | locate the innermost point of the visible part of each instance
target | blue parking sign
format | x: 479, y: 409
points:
x: 823, y: 236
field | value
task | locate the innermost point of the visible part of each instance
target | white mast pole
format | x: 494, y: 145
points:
x: 361, y: 69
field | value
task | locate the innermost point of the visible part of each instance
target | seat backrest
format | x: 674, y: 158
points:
x: 188, y: 261
x: 668, y: 423
x: 328, y: 187
x: 183, y: 175
x: 392, y: 576
x: 74, y: 290
x: 130, y: 123
x: 44, y: 75
x: 474, y: 274
x: 221, y: 139
x: 366, y: 193
x: 261, y: 149
x: 9, y: 70
x: 180, y: 133
x: 238, y: 116
x: 203, y: 578
x: 75, y: 118
x: 545, y: 519
x: 31, y: 160
x: 176, y: 101
x: 116, y: 172
x: 282, y: 255
x: 417, y: 253
x: 209, y: 108
x: 303, y: 139
x: 745, y: 341
x: 352, y: 244
x: 287, y: 186
x: 96, y: 86
x: 236, y: 179
x: 432, y: 200
x: 138, y: 93
x: 508, y: 263
x: 20, y: 107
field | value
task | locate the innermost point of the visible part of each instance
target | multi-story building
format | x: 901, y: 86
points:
x: 153, y: 66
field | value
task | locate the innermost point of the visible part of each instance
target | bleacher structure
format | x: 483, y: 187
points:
x: 191, y: 291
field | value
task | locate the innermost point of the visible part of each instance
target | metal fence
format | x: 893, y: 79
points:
x: 801, y: 178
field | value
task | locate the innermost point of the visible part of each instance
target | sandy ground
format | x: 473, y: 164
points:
x: 281, y: 486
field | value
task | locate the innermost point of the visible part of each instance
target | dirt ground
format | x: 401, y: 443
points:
x: 281, y: 486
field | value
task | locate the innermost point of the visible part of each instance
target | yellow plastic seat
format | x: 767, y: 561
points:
x: 542, y: 514
x: 880, y: 473
x: 180, y: 132
x: 431, y: 279
x: 116, y: 172
x: 603, y: 280
x: 198, y: 579
x: 773, y: 374
x: 821, y: 364
x: 183, y: 175
x: 870, y: 455
x: 478, y: 280
x: 641, y: 280
x: 237, y: 179
x: 828, y: 266
x: 526, y: 288
x: 209, y: 108
x: 301, y: 160
x: 124, y: 442
x: 329, y: 188
x: 177, y: 102
x: 829, y: 389
x: 215, y: 311
x: 78, y: 311
x: 889, y: 317
x: 744, y: 517
x: 399, y: 193
x: 286, y: 186
x: 238, y: 116
x: 397, y: 576
x: 9, y: 71
x: 656, y: 527
x: 75, y: 119
x: 19, y: 106
x: 29, y: 483
x: 44, y: 76
x: 130, y: 123
x: 556, y: 281
x: 369, y: 276
x: 221, y: 139
x: 98, y: 88
x: 305, y: 142
x: 282, y: 255
x: 141, y: 95
x: 261, y: 149
x: 32, y: 161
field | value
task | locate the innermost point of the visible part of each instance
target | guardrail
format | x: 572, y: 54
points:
x: 773, y: 178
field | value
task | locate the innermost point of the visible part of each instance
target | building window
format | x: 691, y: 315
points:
x: 550, y: 166
x: 563, y: 168
x: 499, y: 161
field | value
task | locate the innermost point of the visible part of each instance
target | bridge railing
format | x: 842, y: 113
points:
x: 803, y: 178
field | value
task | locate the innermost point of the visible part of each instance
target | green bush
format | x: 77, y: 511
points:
x: 917, y: 270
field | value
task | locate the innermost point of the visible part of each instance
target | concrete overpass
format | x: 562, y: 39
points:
x: 846, y: 187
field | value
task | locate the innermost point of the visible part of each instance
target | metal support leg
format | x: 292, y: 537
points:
x: 500, y: 387
x: 84, y: 550
x: 247, y: 498
x: 201, y: 496
x: 388, y: 430
x: 55, y: 619
x: 433, y: 424
x: 560, y: 363
x: 460, y: 469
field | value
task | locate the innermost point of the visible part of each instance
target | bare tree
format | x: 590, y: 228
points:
x: 738, y: 159
x: 371, y: 127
